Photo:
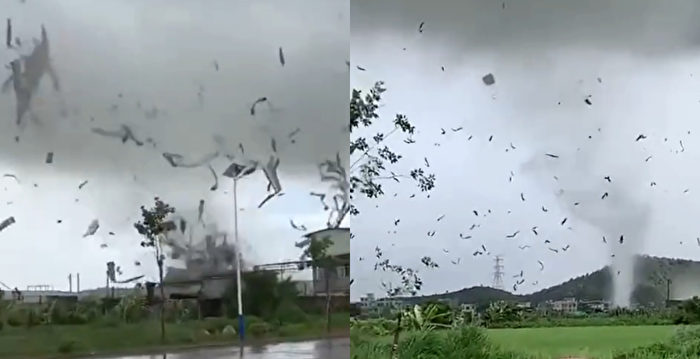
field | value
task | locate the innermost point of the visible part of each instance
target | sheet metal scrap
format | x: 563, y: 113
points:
x: 49, y: 157
x: 8, y: 34
x: 215, y: 186
x: 111, y: 272
x: 259, y: 100
x: 273, y: 180
x: 200, y: 210
x: 92, y: 228
x: 6, y: 223
x: 124, y: 132
x: 11, y: 175
x: 183, y: 225
x: 23, y: 93
x: 28, y: 71
x: 178, y: 160
x: 281, y: 53
x: 238, y: 170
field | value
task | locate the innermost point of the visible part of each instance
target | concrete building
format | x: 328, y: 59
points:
x: 593, y: 306
x: 566, y: 305
x: 369, y: 305
x: 524, y: 305
x: 339, y: 276
x: 465, y: 307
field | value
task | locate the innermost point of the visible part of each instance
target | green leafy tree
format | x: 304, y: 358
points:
x: 373, y: 163
x: 265, y: 295
x: 501, y: 312
x: 688, y: 312
x: 441, y: 313
x: 428, y: 317
x: 153, y: 228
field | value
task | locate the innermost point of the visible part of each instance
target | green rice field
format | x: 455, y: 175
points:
x: 588, y: 342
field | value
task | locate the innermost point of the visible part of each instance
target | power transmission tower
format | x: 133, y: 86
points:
x: 498, y: 273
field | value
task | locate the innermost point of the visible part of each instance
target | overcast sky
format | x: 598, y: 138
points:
x: 636, y: 62
x: 117, y: 61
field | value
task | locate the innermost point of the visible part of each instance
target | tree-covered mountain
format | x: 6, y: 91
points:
x: 655, y: 278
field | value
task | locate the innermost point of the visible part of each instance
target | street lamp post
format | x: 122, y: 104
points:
x: 241, y: 320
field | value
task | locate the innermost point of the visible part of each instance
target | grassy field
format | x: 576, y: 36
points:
x: 110, y: 338
x: 589, y: 342
x: 597, y: 342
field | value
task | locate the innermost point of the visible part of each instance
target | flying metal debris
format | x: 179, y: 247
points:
x: 124, y: 132
x: 6, y: 223
x: 10, y: 175
x: 513, y: 235
x: 270, y: 170
x: 92, y: 228
x: 215, y: 186
x: 238, y: 170
x: 259, y: 100
x: 300, y: 227
x: 200, y: 210
x: 8, y: 34
x: 27, y: 73
x: 177, y: 160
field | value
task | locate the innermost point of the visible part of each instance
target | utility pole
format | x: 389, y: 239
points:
x: 498, y: 273
x: 70, y: 283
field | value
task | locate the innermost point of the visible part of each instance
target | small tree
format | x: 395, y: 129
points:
x: 371, y: 164
x: 153, y: 227
x: 317, y: 251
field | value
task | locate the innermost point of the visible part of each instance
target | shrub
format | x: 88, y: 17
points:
x: 251, y: 319
x: 110, y: 320
x: 15, y: 319
x: 259, y: 329
x: 467, y: 342
x: 33, y: 317
x: 289, y: 312
x: 217, y: 325
x: 685, y: 344
x: 68, y: 346
x: 288, y: 330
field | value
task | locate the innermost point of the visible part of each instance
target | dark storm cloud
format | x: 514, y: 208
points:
x: 140, y: 79
x: 149, y: 72
x: 644, y: 26
x: 581, y: 80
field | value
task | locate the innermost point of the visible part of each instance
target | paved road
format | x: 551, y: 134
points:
x: 319, y: 349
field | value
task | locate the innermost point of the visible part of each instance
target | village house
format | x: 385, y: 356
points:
x: 339, y: 250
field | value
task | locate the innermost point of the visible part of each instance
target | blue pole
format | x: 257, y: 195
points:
x: 241, y: 327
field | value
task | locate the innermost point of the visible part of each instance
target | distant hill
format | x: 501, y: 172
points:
x: 651, y: 274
